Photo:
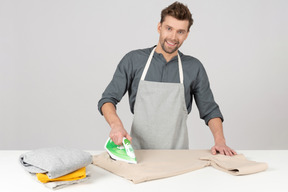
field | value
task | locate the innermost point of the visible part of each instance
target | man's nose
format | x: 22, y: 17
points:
x: 173, y: 35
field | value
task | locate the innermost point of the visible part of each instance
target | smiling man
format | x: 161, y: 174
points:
x: 173, y: 33
x: 162, y: 82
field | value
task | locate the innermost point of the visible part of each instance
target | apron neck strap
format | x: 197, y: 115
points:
x: 149, y: 61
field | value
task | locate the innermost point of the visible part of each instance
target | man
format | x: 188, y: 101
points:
x: 161, y: 82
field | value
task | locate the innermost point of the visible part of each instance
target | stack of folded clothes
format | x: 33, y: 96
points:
x: 57, y: 167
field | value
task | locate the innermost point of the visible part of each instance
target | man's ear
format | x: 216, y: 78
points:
x: 159, y: 27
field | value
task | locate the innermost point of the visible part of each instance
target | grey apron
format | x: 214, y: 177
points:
x: 160, y: 114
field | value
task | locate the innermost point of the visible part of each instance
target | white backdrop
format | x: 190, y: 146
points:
x: 57, y: 57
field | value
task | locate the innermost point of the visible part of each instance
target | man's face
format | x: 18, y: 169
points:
x: 173, y: 33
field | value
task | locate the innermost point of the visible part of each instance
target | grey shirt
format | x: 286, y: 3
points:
x: 196, y: 83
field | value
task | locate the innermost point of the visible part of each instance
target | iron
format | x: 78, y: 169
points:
x: 122, y: 152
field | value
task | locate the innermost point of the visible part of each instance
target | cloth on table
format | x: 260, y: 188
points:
x: 60, y: 184
x: 78, y: 174
x: 236, y: 165
x: 55, y: 167
x: 157, y: 164
x: 56, y: 161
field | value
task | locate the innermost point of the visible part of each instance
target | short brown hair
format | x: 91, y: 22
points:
x: 178, y: 11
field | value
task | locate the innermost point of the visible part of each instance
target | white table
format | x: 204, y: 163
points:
x: 14, y: 178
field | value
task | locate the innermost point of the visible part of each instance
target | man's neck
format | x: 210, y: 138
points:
x: 167, y: 56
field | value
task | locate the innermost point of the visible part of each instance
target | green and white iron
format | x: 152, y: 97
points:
x: 123, y: 152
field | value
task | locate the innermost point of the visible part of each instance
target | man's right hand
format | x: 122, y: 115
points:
x: 117, y: 134
x: 117, y: 129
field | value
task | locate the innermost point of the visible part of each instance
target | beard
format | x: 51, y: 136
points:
x: 167, y: 50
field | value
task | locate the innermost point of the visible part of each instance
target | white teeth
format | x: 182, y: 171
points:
x: 170, y: 43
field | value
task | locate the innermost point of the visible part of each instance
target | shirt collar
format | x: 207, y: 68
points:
x: 160, y: 54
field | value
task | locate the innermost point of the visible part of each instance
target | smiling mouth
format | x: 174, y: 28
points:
x: 171, y: 43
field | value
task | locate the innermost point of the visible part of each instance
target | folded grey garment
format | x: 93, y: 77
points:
x: 56, y: 161
x: 61, y: 184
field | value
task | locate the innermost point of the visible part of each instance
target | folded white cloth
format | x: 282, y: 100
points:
x: 56, y: 161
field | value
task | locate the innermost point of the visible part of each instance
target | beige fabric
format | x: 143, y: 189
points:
x: 157, y: 164
x: 236, y: 165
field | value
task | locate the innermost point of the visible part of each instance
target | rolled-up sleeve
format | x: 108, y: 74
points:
x: 119, y: 84
x: 208, y: 108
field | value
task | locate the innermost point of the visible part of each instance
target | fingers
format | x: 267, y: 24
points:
x: 117, y: 136
x: 223, y: 151
x: 129, y: 137
x: 234, y: 152
x: 228, y: 152
x: 117, y: 139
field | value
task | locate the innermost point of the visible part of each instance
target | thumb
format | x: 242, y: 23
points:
x: 213, y: 151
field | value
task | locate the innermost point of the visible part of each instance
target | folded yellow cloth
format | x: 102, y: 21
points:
x: 78, y: 174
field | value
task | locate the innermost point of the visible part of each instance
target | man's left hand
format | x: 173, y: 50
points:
x: 222, y: 149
